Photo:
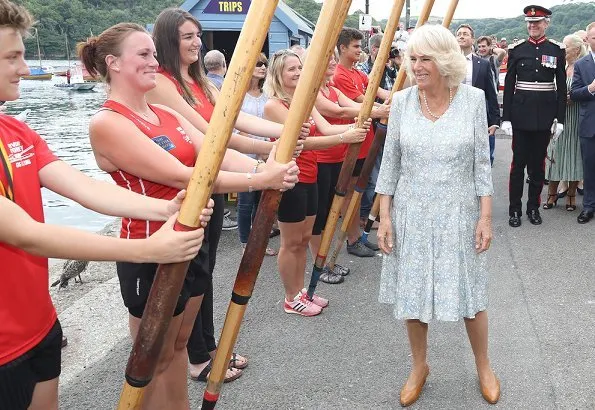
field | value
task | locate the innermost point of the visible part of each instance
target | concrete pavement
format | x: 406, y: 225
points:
x: 355, y: 355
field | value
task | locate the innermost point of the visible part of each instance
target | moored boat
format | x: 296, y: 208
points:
x: 38, y: 73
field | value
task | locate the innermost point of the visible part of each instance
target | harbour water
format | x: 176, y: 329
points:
x: 62, y: 118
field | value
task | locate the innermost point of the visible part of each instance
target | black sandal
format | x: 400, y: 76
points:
x: 204, y: 375
x: 548, y: 204
x: 569, y: 205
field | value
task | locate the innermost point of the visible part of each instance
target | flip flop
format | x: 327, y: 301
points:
x: 204, y: 375
x: 269, y: 252
x: 235, y: 362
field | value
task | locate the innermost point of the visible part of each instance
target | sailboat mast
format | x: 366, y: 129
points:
x: 38, y: 47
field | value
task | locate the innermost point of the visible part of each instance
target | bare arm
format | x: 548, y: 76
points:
x: 19, y: 230
x: 165, y: 93
x: 101, y: 196
x: 274, y: 111
x: 345, y: 109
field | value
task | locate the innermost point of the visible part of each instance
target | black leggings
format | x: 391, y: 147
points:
x: 202, y: 338
x: 328, y: 175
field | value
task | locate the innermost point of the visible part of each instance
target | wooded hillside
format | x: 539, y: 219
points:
x: 78, y: 19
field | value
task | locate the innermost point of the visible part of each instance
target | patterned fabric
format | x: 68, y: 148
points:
x: 435, y: 172
x: 566, y: 152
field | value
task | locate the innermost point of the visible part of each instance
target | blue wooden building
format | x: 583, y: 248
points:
x: 222, y: 21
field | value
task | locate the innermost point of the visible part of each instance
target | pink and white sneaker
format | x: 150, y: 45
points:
x: 300, y: 305
x: 322, y: 302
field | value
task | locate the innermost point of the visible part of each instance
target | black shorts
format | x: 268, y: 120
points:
x: 19, y: 376
x: 359, y: 164
x: 328, y: 175
x: 298, y: 203
x: 136, y: 280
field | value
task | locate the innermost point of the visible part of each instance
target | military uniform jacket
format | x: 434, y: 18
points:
x: 541, y: 61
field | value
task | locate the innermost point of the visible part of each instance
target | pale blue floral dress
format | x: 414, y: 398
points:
x: 436, y: 172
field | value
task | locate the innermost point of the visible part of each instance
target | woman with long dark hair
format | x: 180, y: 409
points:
x: 183, y: 86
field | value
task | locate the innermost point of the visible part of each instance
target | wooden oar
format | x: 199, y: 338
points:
x: 333, y: 14
x: 169, y: 278
x: 379, y: 138
x: 353, y: 150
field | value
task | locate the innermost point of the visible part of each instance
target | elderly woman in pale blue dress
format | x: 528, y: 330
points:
x: 435, y: 184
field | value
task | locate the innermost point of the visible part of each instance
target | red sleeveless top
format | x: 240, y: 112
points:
x: 337, y: 153
x: 170, y: 136
x: 307, y: 161
x: 204, y: 107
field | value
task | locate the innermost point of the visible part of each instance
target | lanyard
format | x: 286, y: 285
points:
x: 7, y: 191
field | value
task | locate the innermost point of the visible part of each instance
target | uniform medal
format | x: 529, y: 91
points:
x: 549, y: 61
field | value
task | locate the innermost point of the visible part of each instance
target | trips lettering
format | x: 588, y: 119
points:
x: 230, y: 6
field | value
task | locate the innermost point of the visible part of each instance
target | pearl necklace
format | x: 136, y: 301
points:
x: 428, y: 106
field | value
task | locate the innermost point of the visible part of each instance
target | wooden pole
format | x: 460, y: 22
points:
x: 169, y: 278
x: 332, y: 15
x: 379, y: 138
x: 353, y: 150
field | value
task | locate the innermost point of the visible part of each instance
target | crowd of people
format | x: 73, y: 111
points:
x: 162, y: 94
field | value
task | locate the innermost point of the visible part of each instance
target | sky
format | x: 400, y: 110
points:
x: 466, y: 9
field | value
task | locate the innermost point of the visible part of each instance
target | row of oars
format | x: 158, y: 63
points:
x: 169, y: 278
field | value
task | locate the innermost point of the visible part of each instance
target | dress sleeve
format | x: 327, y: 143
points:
x: 482, y: 170
x: 390, y: 168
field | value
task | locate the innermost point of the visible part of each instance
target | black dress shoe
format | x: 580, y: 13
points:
x: 515, y: 220
x: 584, y: 217
x: 534, y: 217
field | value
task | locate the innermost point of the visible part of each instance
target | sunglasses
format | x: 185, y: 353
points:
x: 261, y: 63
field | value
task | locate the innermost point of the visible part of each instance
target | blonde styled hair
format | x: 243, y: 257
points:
x: 439, y: 44
x: 576, y: 41
x: 273, y: 85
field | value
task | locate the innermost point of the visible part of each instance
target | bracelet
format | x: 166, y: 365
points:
x: 249, y: 176
x: 258, y: 162
x: 341, y: 137
x: 351, y: 126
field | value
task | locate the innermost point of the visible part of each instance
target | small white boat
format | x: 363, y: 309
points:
x: 84, y: 86
x: 77, y: 81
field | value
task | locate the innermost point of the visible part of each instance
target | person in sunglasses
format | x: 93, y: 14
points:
x: 253, y: 104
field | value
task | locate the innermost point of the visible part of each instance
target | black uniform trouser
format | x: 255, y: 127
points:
x: 529, y: 149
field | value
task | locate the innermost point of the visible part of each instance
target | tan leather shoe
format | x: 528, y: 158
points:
x: 410, y: 395
x: 491, y: 395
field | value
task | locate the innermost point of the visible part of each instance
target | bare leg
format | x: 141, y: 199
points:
x: 418, y: 341
x: 291, y: 259
x: 552, y: 192
x: 314, y: 244
x: 45, y: 396
x: 477, y: 330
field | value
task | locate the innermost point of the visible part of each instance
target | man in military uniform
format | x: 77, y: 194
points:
x: 533, y: 110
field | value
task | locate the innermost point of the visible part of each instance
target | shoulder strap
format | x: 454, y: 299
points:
x: 6, y: 191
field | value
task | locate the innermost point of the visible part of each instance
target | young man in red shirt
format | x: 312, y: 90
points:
x: 353, y: 83
x: 30, y: 334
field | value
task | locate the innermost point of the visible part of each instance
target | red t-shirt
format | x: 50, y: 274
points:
x: 353, y: 83
x: 170, y: 136
x: 26, y: 310
x: 337, y: 153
